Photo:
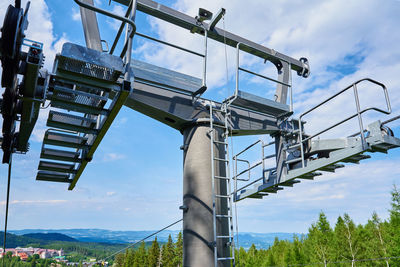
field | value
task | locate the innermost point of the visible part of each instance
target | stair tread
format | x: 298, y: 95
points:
x: 53, y: 137
x: 56, y: 154
x: 71, y: 122
x: 70, y: 99
x: 56, y: 166
x: 51, y: 176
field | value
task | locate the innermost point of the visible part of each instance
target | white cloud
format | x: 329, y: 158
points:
x: 76, y: 15
x: 112, y: 157
x: 330, y: 34
x: 113, y: 23
x: 33, y: 202
x: 111, y: 193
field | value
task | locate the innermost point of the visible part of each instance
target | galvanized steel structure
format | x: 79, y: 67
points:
x: 88, y: 87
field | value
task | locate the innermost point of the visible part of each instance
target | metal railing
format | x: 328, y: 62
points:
x: 252, y: 166
x: 204, y: 56
x: 124, y: 20
x: 238, y: 69
x: 357, y: 114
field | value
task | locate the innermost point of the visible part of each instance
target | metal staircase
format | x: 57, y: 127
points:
x: 308, y: 157
x: 222, y: 201
x: 79, y: 91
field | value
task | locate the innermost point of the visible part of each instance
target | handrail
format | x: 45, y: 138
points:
x: 258, y: 163
x: 121, y: 28
x: 112, y: 15
x: 391, y: 119
x: 169, y: 44
x: 358, y: 114
x: 107, y: 13
x: 238, y: 68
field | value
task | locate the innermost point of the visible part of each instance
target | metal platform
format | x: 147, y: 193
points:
x: 154, y: 75
x: 263, y: 105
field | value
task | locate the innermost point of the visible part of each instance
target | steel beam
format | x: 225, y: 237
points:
x: 90, y: 27
x: 175, y: 109
x: 190, y: 23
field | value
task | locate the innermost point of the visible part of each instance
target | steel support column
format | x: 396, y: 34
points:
x: 90, y: 27
x: 281, y: 97
x: 198, y: 236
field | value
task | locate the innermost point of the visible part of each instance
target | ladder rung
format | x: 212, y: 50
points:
x: 223, y: 196
x: 221, y: 177
x: 219, y: 126
x: 224, y: 236
x: 219, y: 159
x: 220, y: 142
x: 223, y: 216
x: 225, y: 259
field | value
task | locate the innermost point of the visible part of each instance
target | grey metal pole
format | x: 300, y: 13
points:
x: 90, y: 27
x: 198, y: 250
x: 281, y: 97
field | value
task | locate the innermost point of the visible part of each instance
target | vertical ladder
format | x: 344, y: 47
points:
x: 218, y: 214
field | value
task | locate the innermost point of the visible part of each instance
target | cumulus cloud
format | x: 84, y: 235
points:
x: 33, y: 202
x: 108, y: 157
x: 76, y: 15
x: 343, y: 41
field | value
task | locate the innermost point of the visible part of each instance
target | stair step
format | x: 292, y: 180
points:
x: 56, y: 167
x: 58, y: 138
x: 310, y: 175
x: 56, y: 154
x: 274, y: 189
x: 80, y: 101
x: 258, y: 196
x: 87, y: 62
x: 356, y: 158
x: 50, y: 176
x: 290, y: 183
x: 71, y: 122
x: 331, y: 168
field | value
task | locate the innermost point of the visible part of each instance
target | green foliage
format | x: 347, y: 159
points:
x: 347, y: 244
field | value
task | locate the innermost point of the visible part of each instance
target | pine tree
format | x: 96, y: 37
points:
x: 129, y: 258
x: 141, y: 256
x: 154, y: 253
x: 178, y: 259
x: 168, y: 253
x: 119, y: 260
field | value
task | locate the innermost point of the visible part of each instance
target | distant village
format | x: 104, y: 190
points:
x: 24, y: 253
x: 54, y: 254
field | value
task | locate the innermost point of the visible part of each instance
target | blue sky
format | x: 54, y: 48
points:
x: 135, y: 179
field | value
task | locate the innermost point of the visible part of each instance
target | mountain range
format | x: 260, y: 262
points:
x: 246, y: 239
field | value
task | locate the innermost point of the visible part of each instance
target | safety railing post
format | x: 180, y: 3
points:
x: 237, y: 69
x: 360, y: 123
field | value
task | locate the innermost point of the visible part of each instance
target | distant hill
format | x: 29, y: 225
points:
x: 33, y: 239
x: 246, y: 239
x: 17, y: 240
x: 51, y: 237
